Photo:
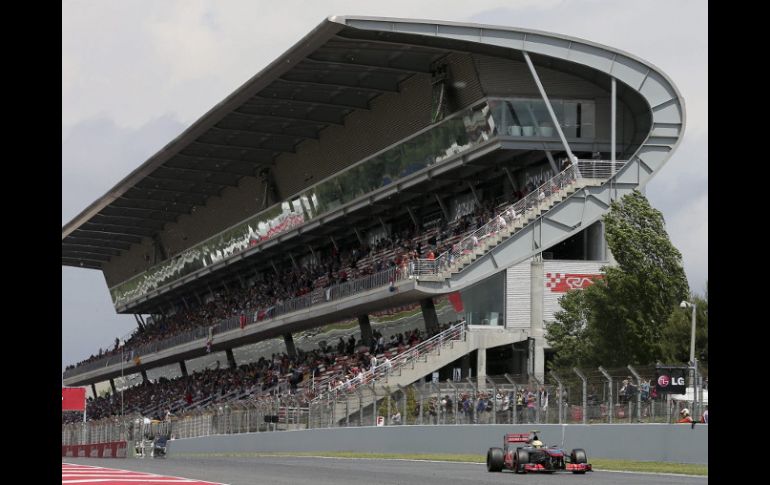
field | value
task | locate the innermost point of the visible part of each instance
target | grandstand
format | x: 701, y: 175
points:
x: 378, y: 163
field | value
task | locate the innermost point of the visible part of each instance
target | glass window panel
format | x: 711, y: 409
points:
x: 570, y: 123
x: 454, y: 135
x: 587, y: 119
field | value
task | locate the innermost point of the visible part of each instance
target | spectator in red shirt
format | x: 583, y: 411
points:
x: 685, y: 416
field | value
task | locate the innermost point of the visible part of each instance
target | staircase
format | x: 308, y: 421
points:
x: 510, y: 221
x: 351, y: 401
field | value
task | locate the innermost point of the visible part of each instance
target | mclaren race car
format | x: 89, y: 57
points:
x: 533, y: 456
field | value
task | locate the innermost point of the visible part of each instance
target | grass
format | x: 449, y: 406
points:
x: 598, y: 463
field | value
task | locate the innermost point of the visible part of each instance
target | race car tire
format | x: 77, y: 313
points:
x: 520, y: 458
x: 579, y: 456
x: 495, y: 460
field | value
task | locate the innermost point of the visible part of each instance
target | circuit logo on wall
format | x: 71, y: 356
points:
x: 563, y: 282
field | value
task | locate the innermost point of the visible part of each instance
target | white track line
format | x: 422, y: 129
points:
x: 136, y: 476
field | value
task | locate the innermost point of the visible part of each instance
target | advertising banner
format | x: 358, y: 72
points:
x: 73, y: 398
x: 671, y: 380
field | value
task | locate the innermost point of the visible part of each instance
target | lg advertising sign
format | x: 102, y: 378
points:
x: 670, y: 380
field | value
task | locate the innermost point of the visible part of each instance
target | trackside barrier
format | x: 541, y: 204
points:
x: 643, y: 442
x: 115, y: 449
x: 585, y: 396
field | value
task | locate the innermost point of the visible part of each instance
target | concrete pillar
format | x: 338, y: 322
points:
x: 183, y: 368
x: 429, y: 315
x: 596, y: 242
x: 481, y: 362
x: 537, y: 285
x: 290, y: 348
x: 366, y: 329
x: 465, y: 364
x: 112, y: 385
x: 93, y: 389
x: 144, y: 375
x: 230, y: 358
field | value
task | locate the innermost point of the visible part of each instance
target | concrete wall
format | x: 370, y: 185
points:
x: 644, y: 442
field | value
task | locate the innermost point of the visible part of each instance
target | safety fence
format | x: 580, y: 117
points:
x: 618, y: 395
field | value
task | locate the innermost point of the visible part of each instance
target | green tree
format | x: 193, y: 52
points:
x: 676, y: 334
x: 569, y: 338
x: 621, y: 318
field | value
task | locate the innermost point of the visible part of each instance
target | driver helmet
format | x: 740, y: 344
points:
x: 537, y: 444
x: 685, y: 412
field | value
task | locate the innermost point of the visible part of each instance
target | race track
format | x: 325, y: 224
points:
x: 274, y: 470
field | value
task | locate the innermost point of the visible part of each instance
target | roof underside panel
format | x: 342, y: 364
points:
x: 276, y: 111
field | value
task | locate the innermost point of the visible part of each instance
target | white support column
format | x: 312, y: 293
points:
x: 550, y: 109
x: 537, y: 285
x: 613, y: 121
x: 481, y: 361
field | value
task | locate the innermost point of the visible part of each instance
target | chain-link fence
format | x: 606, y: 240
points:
x: 615, y: 395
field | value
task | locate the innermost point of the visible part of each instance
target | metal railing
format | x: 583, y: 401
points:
x: 586, y: 396
x: 515, y: 216
x: 317, y: 296
x: 510, y: 219
x: 384, y: 369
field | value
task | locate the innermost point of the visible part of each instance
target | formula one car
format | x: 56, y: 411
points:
x: 534, y: 456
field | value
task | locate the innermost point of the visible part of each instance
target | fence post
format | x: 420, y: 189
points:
x: 454, y: 388
x: 422, y: 401
x: 612, y: 397
x: 560, y: 391
x: 374, y: 406
x: 638, y: 393
x: 494, y: 398
x: 360, y: 406
x: 387, y: 404
x: 332, y: 422
x: 512, y: 405
x: 539, y: 402
x: 585, y: 393
x: 347, y: 411
x: 475, y: 389
x: 695, y: 386
x: 403, y: 399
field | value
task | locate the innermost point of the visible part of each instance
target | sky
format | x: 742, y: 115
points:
x: 136, y: 74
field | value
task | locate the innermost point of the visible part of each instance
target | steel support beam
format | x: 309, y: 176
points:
x: 549, y: 107
x: 613, y: 121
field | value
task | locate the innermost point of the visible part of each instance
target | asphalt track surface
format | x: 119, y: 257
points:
x: 277, y: 470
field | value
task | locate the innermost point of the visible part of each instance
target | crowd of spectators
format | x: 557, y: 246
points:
x: 330, y: 266
x: 299, y: 378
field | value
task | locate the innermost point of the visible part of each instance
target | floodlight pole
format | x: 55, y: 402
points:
x: 122, y: 380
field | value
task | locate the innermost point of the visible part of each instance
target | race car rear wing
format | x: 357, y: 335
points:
x: 517, y: 438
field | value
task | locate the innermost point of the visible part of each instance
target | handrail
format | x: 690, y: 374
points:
x: 456, y: 332
x: 318, y: 295
x: 537, y: 199
x: 479, y: 239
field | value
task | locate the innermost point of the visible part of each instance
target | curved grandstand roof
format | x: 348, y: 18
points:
x: 338, y: 68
